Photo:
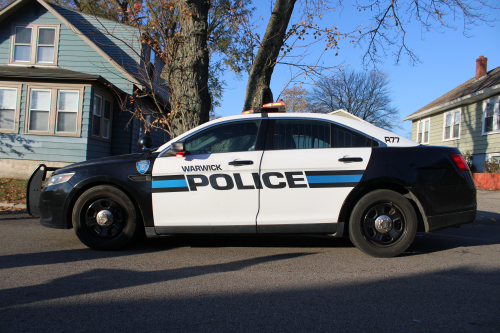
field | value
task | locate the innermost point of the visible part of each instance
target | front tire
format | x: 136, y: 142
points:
x: 383, y: 224
x: 104, y: 218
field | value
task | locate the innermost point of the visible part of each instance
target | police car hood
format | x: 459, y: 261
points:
x: 101, y: 161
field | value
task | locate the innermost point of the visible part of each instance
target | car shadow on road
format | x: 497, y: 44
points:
x: 446, y: 300
x: 100, y: 280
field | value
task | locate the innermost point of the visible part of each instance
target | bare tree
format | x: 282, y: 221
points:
x: 363, y: 94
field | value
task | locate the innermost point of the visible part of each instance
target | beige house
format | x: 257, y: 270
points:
x: 466, y: 117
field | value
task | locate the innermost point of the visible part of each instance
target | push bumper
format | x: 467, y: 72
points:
x: 34, y: 189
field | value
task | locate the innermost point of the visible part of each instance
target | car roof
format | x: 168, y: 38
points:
x: 382, y: 135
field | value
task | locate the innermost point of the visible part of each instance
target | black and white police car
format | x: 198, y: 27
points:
x: 264, y: 172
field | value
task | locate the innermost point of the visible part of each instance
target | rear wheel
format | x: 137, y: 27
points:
x: 383, y: 224
x: 104, y: 218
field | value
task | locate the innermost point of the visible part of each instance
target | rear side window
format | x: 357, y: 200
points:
x: 301, y: 134
x: 343, y: 138
x: 225, y: 138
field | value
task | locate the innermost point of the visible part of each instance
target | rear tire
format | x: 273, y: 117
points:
x: 104, y: 218
x: 383, y: 224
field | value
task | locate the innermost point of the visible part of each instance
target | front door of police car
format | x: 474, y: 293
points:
x: 214, y: 188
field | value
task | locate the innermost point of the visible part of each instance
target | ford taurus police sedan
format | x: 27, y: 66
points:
x: 264, y: 172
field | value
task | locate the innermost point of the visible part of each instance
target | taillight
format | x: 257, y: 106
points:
x: 460, y: 162
x: 179, y: 154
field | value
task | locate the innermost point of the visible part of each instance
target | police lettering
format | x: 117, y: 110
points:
x: 223, y: 182
x: 195, y: 168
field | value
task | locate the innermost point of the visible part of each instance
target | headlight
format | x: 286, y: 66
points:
x: 58, y: 179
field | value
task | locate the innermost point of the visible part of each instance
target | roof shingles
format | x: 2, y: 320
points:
x: 492, y: 78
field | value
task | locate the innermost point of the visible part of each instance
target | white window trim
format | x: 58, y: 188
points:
x: 34, y: 44
x: 496, y: 115
x: 104, y: 98
x: 18, y: 87
x: 423, y: 130
x: 452, y: 112
x: 54, y: 96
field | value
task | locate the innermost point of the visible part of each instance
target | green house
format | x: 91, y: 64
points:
x: 466, y: 117
x: 66, y: 81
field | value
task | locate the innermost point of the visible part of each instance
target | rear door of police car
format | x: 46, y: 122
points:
x: 308, y: 168
x: 212, y: 188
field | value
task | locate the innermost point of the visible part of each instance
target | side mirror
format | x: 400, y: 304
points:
x: 145, y: 142
x: 177, y: 147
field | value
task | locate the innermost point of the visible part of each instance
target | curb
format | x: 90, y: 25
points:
x: 12, y: 205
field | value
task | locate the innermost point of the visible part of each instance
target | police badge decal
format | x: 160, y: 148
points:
x: 142, y: 166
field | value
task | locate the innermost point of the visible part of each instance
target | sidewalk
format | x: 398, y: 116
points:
x: 11, y: 206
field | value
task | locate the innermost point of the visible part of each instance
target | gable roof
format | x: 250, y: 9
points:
x: 344, y: 113
x: 468, y: 92
x: 115, y: 42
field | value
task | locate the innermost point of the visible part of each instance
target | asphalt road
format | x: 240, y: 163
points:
x: 448, y: 281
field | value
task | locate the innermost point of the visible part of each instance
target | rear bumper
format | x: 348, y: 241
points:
x: 439, y: 222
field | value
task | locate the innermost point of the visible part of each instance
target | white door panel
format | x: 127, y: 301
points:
x: 221, y: 194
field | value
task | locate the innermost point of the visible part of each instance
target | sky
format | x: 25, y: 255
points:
x: 448, y: 58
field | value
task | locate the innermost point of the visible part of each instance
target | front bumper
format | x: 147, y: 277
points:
x: 53, y: 201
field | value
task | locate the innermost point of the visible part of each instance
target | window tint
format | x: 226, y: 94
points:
x: 342, y: 137
x: 301, y: 134
x: 237, y: 136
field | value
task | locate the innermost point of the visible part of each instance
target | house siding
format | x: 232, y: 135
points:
x: 471, y: 136
x: 73, y: 53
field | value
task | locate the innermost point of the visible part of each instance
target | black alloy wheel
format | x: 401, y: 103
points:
x: 383, y: 224
x: 104, y: 218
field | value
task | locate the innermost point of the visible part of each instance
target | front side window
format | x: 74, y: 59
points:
x: 225, y: 138
x: 101, y: 117
x: 8, y: 107
x: 34, y: 44
x: 491, y: 122
x: 53, y: 111
x: 452, y: 125
x: 423, y: 129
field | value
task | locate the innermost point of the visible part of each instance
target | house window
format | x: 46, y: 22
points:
x: 452, y: 125
x: 34, y: 44
x: 8, y: 109
x: 40, y: 110
x: 491, y: 123
x: 423, y: 127
x: 101, y: 117
x: 67, y: 111
x: 54, y: 111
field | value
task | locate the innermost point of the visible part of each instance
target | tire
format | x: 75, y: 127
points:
x: 383, y: 224
x: 104, y: 218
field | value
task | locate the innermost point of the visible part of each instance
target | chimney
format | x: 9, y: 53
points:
x: 481, y: 63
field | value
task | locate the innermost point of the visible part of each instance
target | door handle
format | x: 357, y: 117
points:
x: 235, y: 162
x: 350, y: 159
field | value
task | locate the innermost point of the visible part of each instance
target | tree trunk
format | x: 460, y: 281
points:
x: 186, y: 69
x: 258, y: 91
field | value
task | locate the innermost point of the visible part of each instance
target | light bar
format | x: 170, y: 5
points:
x: 274, y: 105
x: 269, y: 107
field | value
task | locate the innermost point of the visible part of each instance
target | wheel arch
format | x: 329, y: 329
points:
x: 88, y: 184
x: 357, y: 193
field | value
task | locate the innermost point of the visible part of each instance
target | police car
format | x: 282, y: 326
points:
x: 264, y: 172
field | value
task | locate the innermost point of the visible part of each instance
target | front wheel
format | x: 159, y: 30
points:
x: 383, y: 224
x: 104, y: 218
